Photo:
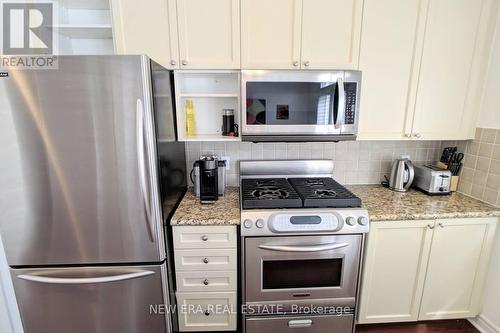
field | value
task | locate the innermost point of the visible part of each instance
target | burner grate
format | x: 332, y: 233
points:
x: 323, y: 193
x: 268, y: 193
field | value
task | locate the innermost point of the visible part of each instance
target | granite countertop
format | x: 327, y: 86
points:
x: 382, y: 204
x: 386, y: 205
x: 225, y: 211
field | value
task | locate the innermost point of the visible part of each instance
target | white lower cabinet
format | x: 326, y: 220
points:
x: 206, y: 277
x: 422, y: 270
x: 213, y: 311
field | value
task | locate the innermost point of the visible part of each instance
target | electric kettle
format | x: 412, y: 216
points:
x: 402, y: 174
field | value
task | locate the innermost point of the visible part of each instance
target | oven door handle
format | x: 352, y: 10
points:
x: 303, y: 248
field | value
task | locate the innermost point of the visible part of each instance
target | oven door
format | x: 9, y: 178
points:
x: 302, y: 269
x: 299, y: 105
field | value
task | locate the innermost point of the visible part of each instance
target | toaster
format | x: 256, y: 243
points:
x: 432, y: 180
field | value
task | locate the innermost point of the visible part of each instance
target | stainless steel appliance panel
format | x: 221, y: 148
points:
x: 91, y: 299
x: 300, y: 106
x: 79, y: 171
x: 280, y: 269
x: 303, y: 324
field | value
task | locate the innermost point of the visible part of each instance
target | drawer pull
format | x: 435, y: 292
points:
x: 205, y: 260
x: 207, y: 313
x: 205, y: 282
x: 204, y: 238
x: 299, y: 323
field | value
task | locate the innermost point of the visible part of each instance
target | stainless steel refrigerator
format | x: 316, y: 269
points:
x: 83, y: 150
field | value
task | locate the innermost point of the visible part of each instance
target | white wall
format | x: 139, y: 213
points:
x: 490, y: 110
x: 489, y: 117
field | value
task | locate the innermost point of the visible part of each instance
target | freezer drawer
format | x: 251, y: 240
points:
x: 91, y: 299
x: 302, y: 324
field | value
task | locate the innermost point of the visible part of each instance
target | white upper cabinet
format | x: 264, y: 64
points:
x: 150, y: 29
x: 331, y: 33
x: 209, y: 34
x: 270, y: 34
x: 423, y: 64
x: 300, y: 34
x: 447, y: 58
x: 392, y: 29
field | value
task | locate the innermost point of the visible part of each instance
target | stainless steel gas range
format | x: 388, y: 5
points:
x: 302, y: 238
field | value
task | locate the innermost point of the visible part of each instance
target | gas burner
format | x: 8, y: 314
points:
x: 314, y: 182
x: 270, y: 193
x: 265, y: 182
x: 325, y: 193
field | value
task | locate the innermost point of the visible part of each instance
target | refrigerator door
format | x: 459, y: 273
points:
x: 79, y: 163
x: 127, y: 299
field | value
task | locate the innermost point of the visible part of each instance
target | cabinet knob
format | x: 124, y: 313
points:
x: 207, y: 313
x: 306, y: 63
x: 430, y: 226
x: 205, y: 282
x: 172, y: 62
x: 204, y: 238
x: 295, y: 63
x: 205, y: 260
x: 417, y: 135
x: 184, y: 62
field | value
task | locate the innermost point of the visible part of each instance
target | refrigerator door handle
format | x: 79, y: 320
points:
x: 84, y: 280
x: 141, y: 163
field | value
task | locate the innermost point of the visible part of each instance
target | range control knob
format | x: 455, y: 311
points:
x: 247, y: 223
x: 260, y: 223
x: 350, y: 220
x: 362, y: 220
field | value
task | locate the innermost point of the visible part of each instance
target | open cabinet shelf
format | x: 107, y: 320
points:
x: 84, y: 27
x: 210, y: 92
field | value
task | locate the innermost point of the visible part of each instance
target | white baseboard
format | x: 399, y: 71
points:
x: 484, y: 325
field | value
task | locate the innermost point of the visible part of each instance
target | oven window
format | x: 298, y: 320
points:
x: 284, y: 274
x: 291, y: 103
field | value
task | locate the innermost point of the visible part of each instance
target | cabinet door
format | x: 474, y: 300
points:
x: 392, y: 32
x: 209, y: 34
x: 331, y: 33
x: 270, y: 34
x: 448, y: 52
x: 147, y: 29
x: 394, y: 271
x: 457, y: 268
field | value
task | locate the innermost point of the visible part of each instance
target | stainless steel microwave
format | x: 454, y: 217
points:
x: 286, y: 106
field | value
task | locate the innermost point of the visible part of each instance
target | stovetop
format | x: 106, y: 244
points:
x: 271, y: 193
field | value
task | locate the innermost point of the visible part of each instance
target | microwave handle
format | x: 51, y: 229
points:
x: 341, y: 106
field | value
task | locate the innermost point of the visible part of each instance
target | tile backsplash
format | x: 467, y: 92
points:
x: 480, y: 176
x: 355, y: 162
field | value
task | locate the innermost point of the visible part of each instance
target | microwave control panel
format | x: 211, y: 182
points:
x: 350, y: 102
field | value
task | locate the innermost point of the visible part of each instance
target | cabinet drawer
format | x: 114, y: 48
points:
x: 207, y: 311
x: 206, y: 281
x: 206, y: 260
x: 303, y: 324
x: 204, y: 237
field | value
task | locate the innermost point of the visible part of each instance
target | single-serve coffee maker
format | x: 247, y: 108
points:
x: 209, y: 178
